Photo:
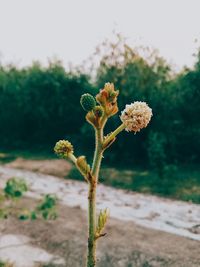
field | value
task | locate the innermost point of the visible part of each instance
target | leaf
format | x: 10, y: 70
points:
x: 102, y: 219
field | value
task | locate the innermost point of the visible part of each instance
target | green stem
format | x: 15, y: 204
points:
x: 91, y: 259
x: 98, y: 153
x: 114, y: 134
x: 72, y: 157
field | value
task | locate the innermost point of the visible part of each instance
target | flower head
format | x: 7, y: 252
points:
x: 136, y: 116
x: 63, y: 148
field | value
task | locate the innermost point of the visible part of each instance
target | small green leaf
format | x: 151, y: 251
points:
x: 23, y: 216
x: 102, y: 219
x: 33, y: 215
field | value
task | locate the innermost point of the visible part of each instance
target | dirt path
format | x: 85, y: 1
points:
x: 126, y: 245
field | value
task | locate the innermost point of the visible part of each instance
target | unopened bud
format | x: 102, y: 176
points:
x: 82, y: 165
x: 87, y: 102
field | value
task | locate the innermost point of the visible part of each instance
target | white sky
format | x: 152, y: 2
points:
x: 71, y: 29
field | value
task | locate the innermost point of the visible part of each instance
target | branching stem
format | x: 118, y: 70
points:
x: 100, y: 144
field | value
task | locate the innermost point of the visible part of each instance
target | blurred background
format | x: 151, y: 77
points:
x: 54, y: 51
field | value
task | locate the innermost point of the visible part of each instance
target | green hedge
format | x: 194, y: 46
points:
x: 39, y: 106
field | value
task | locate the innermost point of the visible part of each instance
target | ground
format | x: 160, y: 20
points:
x: 125, y: 245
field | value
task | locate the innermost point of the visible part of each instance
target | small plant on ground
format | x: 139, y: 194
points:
x: 134, y: 117
x: 46, y: 209
x: 15, y: 187
x: 13, y: 191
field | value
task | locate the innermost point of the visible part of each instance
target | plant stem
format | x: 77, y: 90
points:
x: 98, y: 152
x: 114, y: 134
x: 91, y: 258
x: 72, y: 157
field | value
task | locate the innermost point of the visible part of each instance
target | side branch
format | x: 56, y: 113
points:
x: 112, y: 136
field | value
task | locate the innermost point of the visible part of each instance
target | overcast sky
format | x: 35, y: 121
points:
x: 71, y: 29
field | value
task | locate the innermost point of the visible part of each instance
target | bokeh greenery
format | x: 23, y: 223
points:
x: 40, y: 105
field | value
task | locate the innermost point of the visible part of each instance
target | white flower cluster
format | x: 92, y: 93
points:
x: 136, y: 116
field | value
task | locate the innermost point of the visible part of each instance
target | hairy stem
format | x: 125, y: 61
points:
x: 91, y: 259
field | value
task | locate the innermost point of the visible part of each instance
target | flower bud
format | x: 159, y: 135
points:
x: 98, y: 111
x: 136, y: 116
x: 102, y: 219
x: 107, y: 98
x: 87, y: 102
x: 91, y: 118
x: 63, y: 148
x: 82, y: 165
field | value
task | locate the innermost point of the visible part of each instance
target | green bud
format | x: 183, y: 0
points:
x: 87, y: 102
x: 82, y: 165
x: 102, y: 219
x: 63, y: 148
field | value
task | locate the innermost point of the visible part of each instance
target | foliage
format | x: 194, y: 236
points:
x: 15, y: 187
x: 36, y: 101
x: 156, y: 152
x: 14, y: 190
x: 46, y: 210
x: 39, y: 105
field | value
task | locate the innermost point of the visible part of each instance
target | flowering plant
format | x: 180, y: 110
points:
x: 134, y: 117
